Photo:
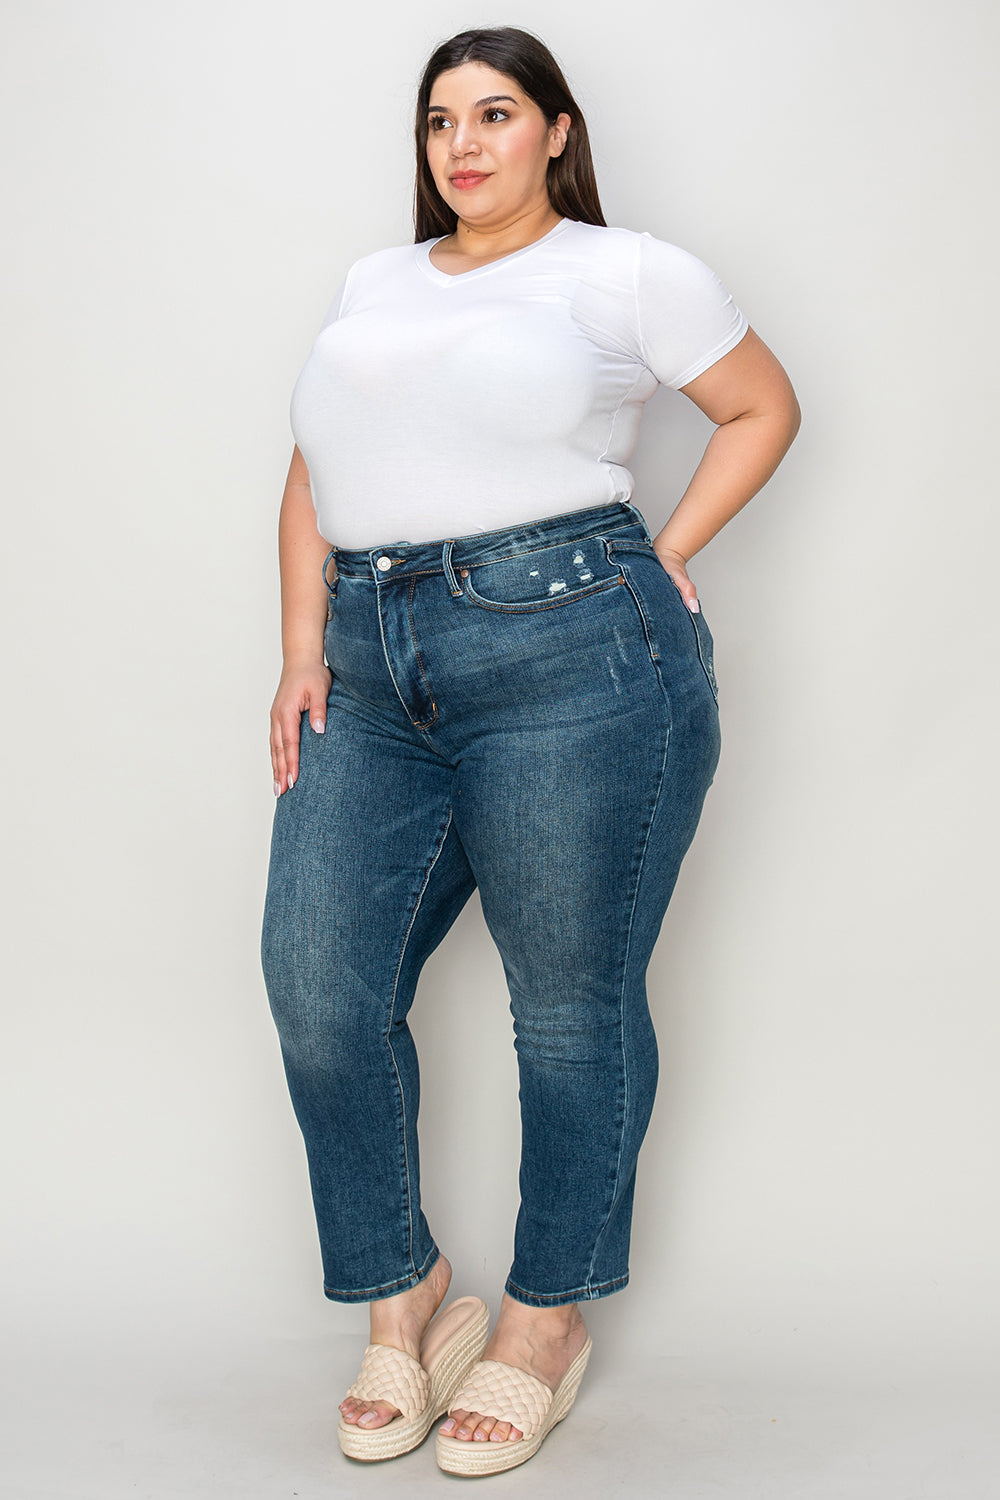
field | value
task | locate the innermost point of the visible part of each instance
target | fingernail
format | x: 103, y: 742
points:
x: 291, y: 782
x: 319, y: 725
x: 277, y: 788
x: 695, y: 607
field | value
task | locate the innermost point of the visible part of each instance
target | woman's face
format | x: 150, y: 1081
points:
x: 482, y: 125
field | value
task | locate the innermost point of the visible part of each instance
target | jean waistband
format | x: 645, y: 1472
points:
x: 394, y: 559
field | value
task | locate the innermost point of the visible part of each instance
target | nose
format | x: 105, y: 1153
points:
x: 463, y: 141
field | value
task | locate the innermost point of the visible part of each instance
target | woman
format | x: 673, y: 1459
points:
x: 518, y: 694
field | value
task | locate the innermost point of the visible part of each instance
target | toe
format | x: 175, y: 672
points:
x: 472, y: 1426
x: 451, y: 1422
x: 368, y: 1413
x: 466, y: 1425
x: 378, y: 1414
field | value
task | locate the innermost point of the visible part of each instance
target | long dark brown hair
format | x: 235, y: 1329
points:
x: 572, y: 183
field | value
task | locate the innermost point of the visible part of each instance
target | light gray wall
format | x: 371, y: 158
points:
x: 187, y: 186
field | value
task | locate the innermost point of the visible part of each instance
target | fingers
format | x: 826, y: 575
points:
x: 286, y: 719
x: 285, y: 752
x: 317, y: 716
x: 674, y: 565
x: 690, y: 596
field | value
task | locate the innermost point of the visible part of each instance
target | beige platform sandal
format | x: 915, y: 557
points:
x: 511, y: 1395
x: 422, y: 1390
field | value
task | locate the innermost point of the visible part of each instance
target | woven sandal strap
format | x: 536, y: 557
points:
x: 503, y: 1391
x: 392, y: 1375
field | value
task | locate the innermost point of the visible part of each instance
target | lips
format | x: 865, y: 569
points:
x: 468, y: 179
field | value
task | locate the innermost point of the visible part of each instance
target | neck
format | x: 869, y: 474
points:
x: 512, y: 234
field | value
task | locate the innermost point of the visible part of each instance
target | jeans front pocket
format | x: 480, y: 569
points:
x: 541, y: 577
x: 706, y: 648
x: 703, y: 639
x: 646, y: 575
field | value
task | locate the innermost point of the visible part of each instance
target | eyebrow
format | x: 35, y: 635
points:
x: 490, y: 99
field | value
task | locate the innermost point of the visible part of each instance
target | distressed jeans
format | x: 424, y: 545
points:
x: 533, y: 711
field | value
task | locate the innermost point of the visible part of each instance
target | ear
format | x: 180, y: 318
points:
x: 560, y: 130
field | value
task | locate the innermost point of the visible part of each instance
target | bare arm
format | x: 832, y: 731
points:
x: 305, y: 677
x: 749, y: 396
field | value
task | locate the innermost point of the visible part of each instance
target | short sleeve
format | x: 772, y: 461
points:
x: 336, y: 309
x: 687, y: 317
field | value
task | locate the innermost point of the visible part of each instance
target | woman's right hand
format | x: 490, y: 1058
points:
x: 304, y: 688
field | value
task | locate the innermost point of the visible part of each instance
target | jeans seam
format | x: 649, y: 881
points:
x: 368, y: 1294
x: 704, y: 658
x: 701, y: 649
x: 426, y: 724
x: 647, y: 626
x: 385, y: 653
x: 628, y: 949
x: 388, y: 1038
x: 575, y: 1291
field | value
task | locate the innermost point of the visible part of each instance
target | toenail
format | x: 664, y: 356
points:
x: 448, y: 1425
x: 368, y: 1417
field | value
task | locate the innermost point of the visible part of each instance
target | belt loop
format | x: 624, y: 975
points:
x: 449, y: 571
x: 330, y: 588
x: 640, y: 519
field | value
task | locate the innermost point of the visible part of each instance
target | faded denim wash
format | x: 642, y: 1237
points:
x: 532, y: 711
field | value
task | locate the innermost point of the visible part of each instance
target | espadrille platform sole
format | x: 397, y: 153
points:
x: 511, y: 1395
x: 422, y: 1390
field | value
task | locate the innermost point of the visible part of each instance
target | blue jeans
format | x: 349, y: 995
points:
x: 532, y: 711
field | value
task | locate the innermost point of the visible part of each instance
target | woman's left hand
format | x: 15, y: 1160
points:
x: 677, y: 568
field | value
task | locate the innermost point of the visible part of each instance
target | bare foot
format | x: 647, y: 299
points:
x: 542, y: 1340
x: 399, y: 1322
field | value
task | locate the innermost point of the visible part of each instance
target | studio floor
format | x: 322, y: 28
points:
x: 126, y: 1420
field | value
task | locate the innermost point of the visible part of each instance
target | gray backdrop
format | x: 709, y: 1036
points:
x: 816, y: 1200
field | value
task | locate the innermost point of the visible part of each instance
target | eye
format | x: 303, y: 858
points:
x: 435, y: 122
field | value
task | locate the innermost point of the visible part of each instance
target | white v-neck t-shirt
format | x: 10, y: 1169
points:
x: 433, y: 405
